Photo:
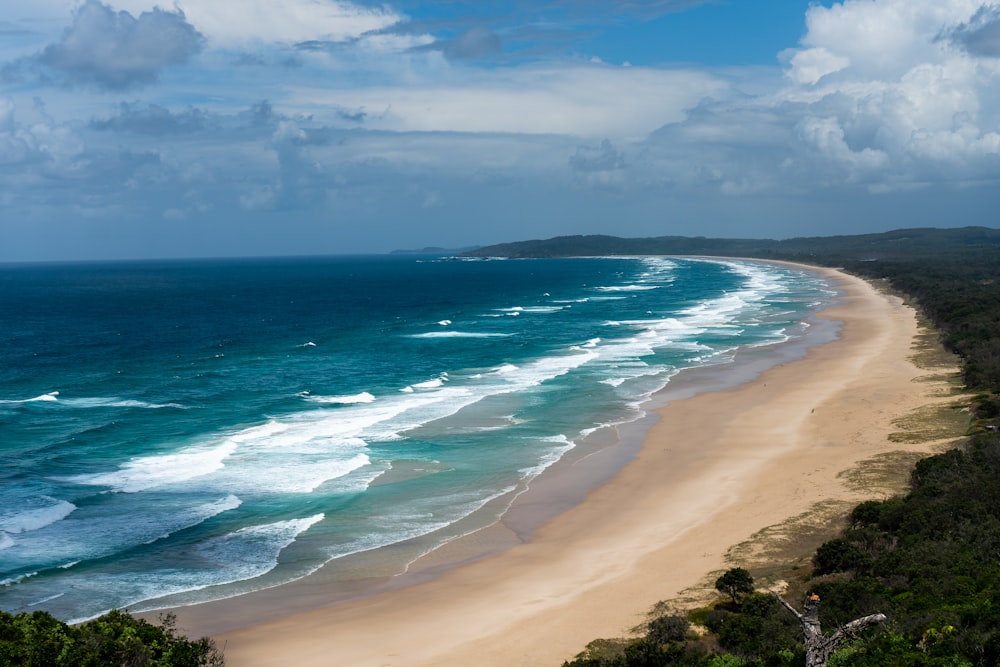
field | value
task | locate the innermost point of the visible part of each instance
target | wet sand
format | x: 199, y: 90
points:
x: 714, y: 469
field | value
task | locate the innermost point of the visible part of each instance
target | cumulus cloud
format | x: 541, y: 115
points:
x: 878, y: 97
x: 115, y: 50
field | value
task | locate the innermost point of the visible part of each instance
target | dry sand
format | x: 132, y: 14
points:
x: 714, y: 470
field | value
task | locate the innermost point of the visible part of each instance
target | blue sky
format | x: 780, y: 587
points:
x: 282, y: 127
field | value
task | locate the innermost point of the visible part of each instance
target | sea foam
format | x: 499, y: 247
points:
x: 147, y: 472
x: 42, y: 512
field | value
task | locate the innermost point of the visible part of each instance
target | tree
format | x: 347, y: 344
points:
x: 735, y: 583
x: 37, y: 639
x: 820, y: 647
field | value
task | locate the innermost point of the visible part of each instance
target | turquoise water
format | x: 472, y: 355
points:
x: 202, y: 429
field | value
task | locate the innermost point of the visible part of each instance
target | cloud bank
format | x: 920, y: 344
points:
x: 393, y: 131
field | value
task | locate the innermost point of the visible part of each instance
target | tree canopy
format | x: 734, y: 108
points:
x: 116, y: 639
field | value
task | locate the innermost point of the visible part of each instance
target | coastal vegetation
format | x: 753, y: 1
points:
x: 928, y: 560
x: 116, y: 639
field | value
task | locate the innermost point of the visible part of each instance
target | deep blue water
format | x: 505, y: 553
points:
x: 206, y: 428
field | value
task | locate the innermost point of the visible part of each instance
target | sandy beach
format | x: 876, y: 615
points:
x: 715, y: 469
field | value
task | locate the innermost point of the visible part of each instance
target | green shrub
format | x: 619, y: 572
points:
x: 116, y: 639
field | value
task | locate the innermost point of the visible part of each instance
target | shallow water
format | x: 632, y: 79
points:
x: 202, y: 429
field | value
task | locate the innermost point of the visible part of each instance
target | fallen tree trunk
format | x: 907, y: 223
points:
x: 820, y: 647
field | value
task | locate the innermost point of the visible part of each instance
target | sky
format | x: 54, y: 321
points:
x: 216, y: 128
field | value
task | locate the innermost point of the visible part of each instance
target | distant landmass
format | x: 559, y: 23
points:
x: 898, y: 244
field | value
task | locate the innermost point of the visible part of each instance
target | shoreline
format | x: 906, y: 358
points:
x: 720, y: 463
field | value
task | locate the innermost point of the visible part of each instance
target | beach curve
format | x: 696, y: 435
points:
x: 716, y: 468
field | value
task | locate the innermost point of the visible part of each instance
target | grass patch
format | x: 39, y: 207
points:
x: 929, y: 423
x: 883, y: 475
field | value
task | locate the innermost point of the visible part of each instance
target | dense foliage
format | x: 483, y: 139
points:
x: 960, y: 295
x: 929, y: 560
x: 116, y: 639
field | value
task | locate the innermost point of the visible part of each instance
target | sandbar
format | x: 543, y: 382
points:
x: 713, y: 469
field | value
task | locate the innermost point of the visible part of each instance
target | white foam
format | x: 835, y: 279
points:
x: 459, y: 334
x: 148, y: 472
x: 294, y: 474
x: 44, y: 511
x: 105, y: 529
x: 296, y: 455
x: 244, y: 554
x: 543, y: 309
x: 113, y: 402
x: 252, y: 551
x: 563, y: 445
x: 194, y: 516
x: 627, y: 288
x: 50, y: 397
x: 590, y: 344
x: 429, y: 384
x: 46, y: 599
x: 444, y: 323
x: 363, y: 397
x: 424, y: 402
x: 6, y: 541
x: 16, y: 580
x: 265, y: 430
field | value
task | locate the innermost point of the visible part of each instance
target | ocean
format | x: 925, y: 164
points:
x: 180, y: 431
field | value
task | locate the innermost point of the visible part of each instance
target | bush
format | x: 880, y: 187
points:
x: 840, y: 555
x: 39, y: 640
x: 735, y: 583
x: 667, y: 629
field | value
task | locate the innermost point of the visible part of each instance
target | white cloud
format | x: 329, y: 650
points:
x: 884, y: 38
x: 583, y: 100
x: 229, y: 23
x: 880, y: 96
x: 811, y: 65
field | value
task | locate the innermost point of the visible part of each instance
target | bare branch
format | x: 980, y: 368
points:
x: 853, y: 629
x: 788, y: 606
x: 820, y: 647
